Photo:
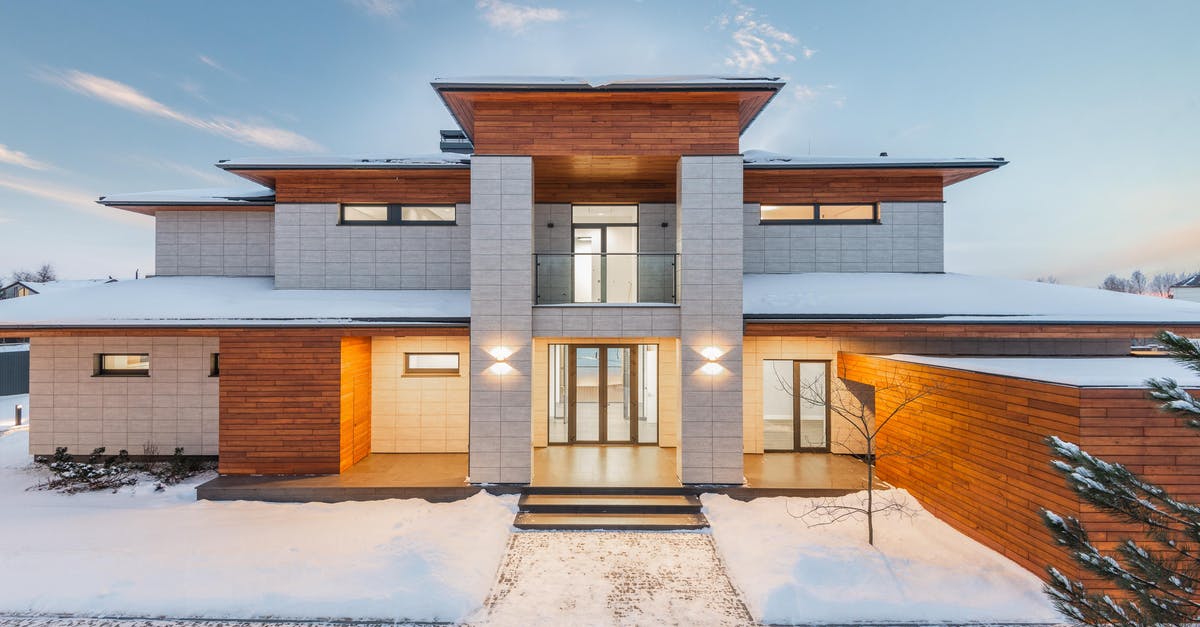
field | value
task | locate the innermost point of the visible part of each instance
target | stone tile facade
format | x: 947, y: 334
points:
x: 176, y: 406
x: 422, y: 413
x: 214, y: 243
x: 909, y: 238
x: 314, y: 252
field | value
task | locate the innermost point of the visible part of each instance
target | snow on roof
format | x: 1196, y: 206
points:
x: 437, y: 159
x: 608, y: 82
x: 948, y: 298
x: 765, y: 159
x: 49, y: 287
x: 243, y: 195
x: 1087, y: 372
x: 231, y: 301
x: 1192, y: 281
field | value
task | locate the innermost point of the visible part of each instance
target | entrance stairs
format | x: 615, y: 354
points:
x: 609, y: 508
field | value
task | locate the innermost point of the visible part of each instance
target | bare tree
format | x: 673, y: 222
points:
x: 854, y: 404
x: 1049, y: 278
x: 41, y: 275
x: 1114, y: 283
x: 1137, y: 282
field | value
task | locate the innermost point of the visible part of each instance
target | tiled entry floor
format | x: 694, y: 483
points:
x: 586, y: 465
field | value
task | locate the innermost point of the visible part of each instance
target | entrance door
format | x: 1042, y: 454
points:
x: 602, y: 402
x: 795, y: 405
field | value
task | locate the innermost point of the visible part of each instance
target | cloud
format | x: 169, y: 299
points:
x: 127, y: 97
x: 64, y: 195
x: 379, y: 8
x: 212, y: 63
x: 515, y: 17
x: 808, y: 94
x: 16, y: 157
x: 210, y: 175
x: 757, y: 43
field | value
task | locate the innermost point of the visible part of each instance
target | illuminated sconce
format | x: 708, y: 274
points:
x: 501, y: 354
x: 712, y: 354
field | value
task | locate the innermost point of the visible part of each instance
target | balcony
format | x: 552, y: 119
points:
x: 581, y: 278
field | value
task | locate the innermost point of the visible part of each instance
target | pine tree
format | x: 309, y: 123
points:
x: 1160, y: 571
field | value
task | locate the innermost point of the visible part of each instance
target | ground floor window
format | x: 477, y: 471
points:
x: 795, y: 405
x: 603, y: 394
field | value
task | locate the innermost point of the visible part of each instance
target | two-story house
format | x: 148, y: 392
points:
x: 606, y: 286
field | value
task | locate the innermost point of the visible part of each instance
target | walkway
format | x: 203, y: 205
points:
x: 610, y: 578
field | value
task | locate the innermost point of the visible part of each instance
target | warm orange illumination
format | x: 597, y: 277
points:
x: 712, y: 368
x: 501, y: 368
x: 501, y: 353
x: 712, y: 353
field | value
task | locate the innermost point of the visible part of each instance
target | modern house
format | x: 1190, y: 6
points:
x: 1187, y: 289
x: 607, y: 290
x: 17, y: 289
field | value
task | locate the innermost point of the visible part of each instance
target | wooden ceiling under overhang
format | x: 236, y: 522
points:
x: 605, y: 122
x: 604, y: 179
x: 150, y: 210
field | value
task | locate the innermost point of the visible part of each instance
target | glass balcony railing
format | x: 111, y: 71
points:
x: 561, y: 278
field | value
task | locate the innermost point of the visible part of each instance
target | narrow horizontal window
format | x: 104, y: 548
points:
x: 214, y: 367
x: 848, y: 213
x: 396, y: 214
x: 430, y: 363
x: 122, y: 365
x: 604, y: 214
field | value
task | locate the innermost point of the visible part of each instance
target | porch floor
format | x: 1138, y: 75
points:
x: 603, y: 466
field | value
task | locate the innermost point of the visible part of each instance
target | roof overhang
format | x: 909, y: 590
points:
x: 950, y: 172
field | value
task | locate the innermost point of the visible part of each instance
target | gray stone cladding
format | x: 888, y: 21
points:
x: 213, y: 243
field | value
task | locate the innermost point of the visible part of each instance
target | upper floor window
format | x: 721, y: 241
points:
x: 392, y: 214
x: 604, y: 214
x: 122, y: 365
x: 860, y: 213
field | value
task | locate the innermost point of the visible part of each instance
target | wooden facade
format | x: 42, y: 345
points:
x: 409, y: 185
x: 983, y: 465
x: 959, y: 330
x: 355, y: 427
x: 785, y: 186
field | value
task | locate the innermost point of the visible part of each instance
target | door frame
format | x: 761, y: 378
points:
x: 602, y: 400
x: 602, y: 255
x: 797, y: 437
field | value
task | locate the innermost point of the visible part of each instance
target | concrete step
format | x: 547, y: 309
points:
x: 612, y: 521
x: 614, y: 490
x: 611, y: 503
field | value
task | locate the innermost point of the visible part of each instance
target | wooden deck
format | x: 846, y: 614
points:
x: 443, y: 476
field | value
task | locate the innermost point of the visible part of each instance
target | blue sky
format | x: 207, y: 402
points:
x: 1096, y: 104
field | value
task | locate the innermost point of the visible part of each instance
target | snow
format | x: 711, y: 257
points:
x: 602, y: 81
x: 950, y: 298
x: 239, y: 301
x: 142, y: 553
x: 8, y: 414
x: 360, y: 161
x: 46, y: 287
x: 1087, y: 372
x: 765, y: 158
x: 243, y: 195
x: 14, y: 348
x: 920, y: 570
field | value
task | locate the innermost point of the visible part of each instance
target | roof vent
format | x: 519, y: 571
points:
x: 883, y: 154
x: 456, y: 141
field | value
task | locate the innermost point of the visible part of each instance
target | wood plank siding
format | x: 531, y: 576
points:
x: 355, y: 431
x: 884, y: 329
x: 833, y: 185
x: 432, y: 185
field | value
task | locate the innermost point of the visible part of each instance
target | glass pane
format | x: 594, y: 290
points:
x: 553, y: 279
x: 604, y: 214
x: 587, y: 394
x: 558, y: 394
x: 647, y: 430
x: 127, y: 363
x: 364, y: 213
x: 847, y: 212
x: 778, y: 426
x: 812, y: 405
x: 412, y: 213
x: 622, y: 260
x: 432, y: 361
x: 656, y: 278
x: 786, y: 212
x: 588, y: 266
x: 619, y: 387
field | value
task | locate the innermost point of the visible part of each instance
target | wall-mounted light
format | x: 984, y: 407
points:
x: 501, y: 354
x: 712, y: 368
x: 501, y: 368
x: 712, y: 354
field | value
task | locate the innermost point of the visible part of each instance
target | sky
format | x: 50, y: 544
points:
x: 1096, y: 105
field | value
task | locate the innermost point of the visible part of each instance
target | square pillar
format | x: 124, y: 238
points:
x: 501, y: 317
x: 709, y: 205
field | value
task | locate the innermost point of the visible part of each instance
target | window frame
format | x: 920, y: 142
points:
x: 817, y: 213
x: 98, y: 369
x: 395, y: 213
x: 797, y: 400
x: 409, y: 371
x: 214, y: 364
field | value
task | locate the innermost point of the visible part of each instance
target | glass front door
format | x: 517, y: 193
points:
x: 597, y: 395
x: 795, y: 405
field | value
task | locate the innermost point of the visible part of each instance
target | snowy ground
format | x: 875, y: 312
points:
x: 141, y: 553
x: 921, y: 570
x: 8, y: 404
x: 612, y: 578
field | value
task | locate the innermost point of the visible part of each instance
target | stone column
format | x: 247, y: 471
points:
x: 501, y: 316
x: 710, y: 244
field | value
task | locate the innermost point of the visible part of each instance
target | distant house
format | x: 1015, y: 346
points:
x: 1187, y: 289
x: 18, y: 289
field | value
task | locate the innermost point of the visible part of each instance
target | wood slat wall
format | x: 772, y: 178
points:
x: 355, y: 431
x: 885, y: 329
x: 408, y: 185
x: 280, y: 402
x: 987, y: 469
x: 850, y: 185
x: 607, y: 124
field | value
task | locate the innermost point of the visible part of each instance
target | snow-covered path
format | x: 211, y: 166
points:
x: 609, y: 578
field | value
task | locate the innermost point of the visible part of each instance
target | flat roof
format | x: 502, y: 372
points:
x: 231, y: 301
x: 608, y: 83
x: 336, y: 162
x: 771, y: 160
x: 252, y: 195
x: 936, y: 297
x: 1083, y: 372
